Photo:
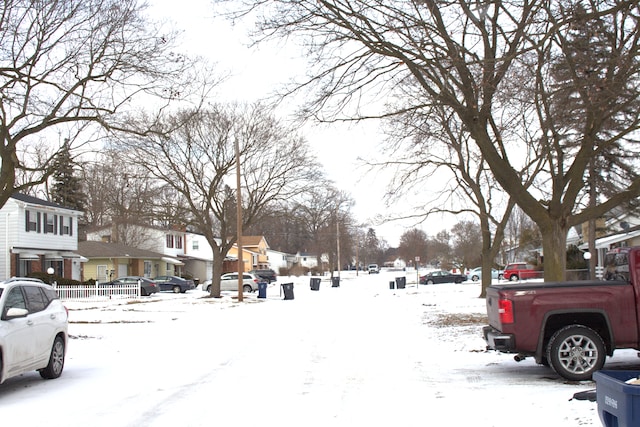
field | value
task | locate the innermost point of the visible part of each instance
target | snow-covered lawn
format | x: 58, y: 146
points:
x: 357, y: 355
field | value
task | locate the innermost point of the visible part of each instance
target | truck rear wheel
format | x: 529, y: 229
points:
x: 575, y: 352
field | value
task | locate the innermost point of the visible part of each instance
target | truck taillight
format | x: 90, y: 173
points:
x: 505, y: 308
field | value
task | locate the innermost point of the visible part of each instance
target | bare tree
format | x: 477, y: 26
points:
x: 193, y: 153
x: 467, y: 244
x: 70, y: 68
x: 118, y: 191
x: 427, y: 144
x: 414, y: 243
x: 463, y: 55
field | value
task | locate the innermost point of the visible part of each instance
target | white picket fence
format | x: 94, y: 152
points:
x: 97, y: 292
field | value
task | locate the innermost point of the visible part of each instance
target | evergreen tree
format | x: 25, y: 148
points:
x: 66, y: 189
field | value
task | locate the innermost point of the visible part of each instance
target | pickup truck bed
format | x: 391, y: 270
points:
x: 570, y: 326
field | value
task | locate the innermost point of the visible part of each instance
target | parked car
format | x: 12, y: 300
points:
x: 521, y: 271
x: 22, y: 279
x: 476, y: 274
x: 373, y: 269
x: 229, y: 282
x: 147, y: 286
x: 266, y: 274
x: 442, y: 276
x: 174, y: 283
x: 33, y: 329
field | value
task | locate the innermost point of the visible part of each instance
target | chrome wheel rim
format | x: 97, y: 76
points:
x: 578, y: 354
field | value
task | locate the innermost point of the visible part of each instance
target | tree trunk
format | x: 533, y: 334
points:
x: 218, y: 260
x: 554, y: 250
x: 486, y: 256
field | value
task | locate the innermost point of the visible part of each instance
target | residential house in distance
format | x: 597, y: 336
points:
x: 230, y: 263
x: 306, y: 260
x: 108, y: 261
x: 198, y: 257
x: 280, y: 261
x: 169, y: 243
x: 259, y: 247
x: 38, y: 235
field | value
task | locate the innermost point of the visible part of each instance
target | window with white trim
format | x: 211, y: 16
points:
x: 50, y: 221
x: 31, y: 219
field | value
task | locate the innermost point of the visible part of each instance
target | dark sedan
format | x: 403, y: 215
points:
x: 147, y: 286
x: 442, y: 276
x: 174, y: 284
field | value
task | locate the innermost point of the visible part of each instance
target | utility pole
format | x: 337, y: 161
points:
x: 338, y: 240
x: 239, y: 224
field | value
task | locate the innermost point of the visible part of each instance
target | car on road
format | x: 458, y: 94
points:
x: 23, y: 279
x: 147, y: 286
x: 33, y: 330
x: 373, y: 269
x: 476, y: 274
x: 521, y: 271
x: 266, y: 274
x: 229, y: 282
x: 442, y: 276
x: 174, y: 284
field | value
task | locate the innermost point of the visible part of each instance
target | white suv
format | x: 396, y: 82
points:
x: 373, y: 268
x: 33, y: 329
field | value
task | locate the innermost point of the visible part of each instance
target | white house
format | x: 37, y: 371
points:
x: 280, y: 260
x: 38, y: 235
x: 198, y: 257
x: 306, y: 260
x: 185, y: 253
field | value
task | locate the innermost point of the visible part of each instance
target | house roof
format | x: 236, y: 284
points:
x: 95, y: 249
x: 253, y: 241
x: 607, y: 241
x: 36, y: 201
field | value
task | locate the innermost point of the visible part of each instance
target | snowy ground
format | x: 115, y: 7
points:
x: 357, y: 355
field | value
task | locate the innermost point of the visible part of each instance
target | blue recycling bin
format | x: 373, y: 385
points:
x: 401, y: 282
x: 315, y: 283
x: 335, y: 282
x: 262, y: 289
x: 618, y: 402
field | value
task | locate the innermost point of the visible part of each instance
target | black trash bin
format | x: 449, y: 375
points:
x: 392, y: 285
x: 315, y: 283
x: 335, y: 282
x: 287, y: 289
x: 262, y: 289
x: 401, y: 282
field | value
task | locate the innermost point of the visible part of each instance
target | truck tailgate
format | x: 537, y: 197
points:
x: 493, y: 312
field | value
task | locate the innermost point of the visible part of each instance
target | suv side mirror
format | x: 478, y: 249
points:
x: 14, y: 313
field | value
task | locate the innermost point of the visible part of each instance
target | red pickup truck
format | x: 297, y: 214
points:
x: 570, y: 326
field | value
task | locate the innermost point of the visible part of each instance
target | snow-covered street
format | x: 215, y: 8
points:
x: 358, y: 354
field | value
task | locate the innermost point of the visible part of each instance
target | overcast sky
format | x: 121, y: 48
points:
x: 256, y: 73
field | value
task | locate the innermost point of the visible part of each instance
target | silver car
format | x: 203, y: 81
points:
x: 33, y: 329
x: 229, y: 282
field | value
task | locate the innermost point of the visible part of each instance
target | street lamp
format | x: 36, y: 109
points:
x: 50, y: 272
